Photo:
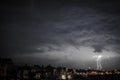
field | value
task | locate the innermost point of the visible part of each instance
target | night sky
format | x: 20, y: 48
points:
x: 61, y: 32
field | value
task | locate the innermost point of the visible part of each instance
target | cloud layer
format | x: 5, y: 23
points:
x: 59, y: 31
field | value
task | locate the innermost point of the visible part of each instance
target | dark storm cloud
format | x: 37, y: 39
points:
x: 67, y: 23
x: 75, y: 26
x: 44, y: 26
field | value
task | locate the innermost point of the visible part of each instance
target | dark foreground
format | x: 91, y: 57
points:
x: 9, y: 71
x: 99, y: 77
x: 75, y: 77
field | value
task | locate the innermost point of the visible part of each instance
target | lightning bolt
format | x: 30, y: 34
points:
x: 99, y: 65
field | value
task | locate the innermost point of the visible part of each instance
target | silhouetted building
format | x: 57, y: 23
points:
x: 7, y: 70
